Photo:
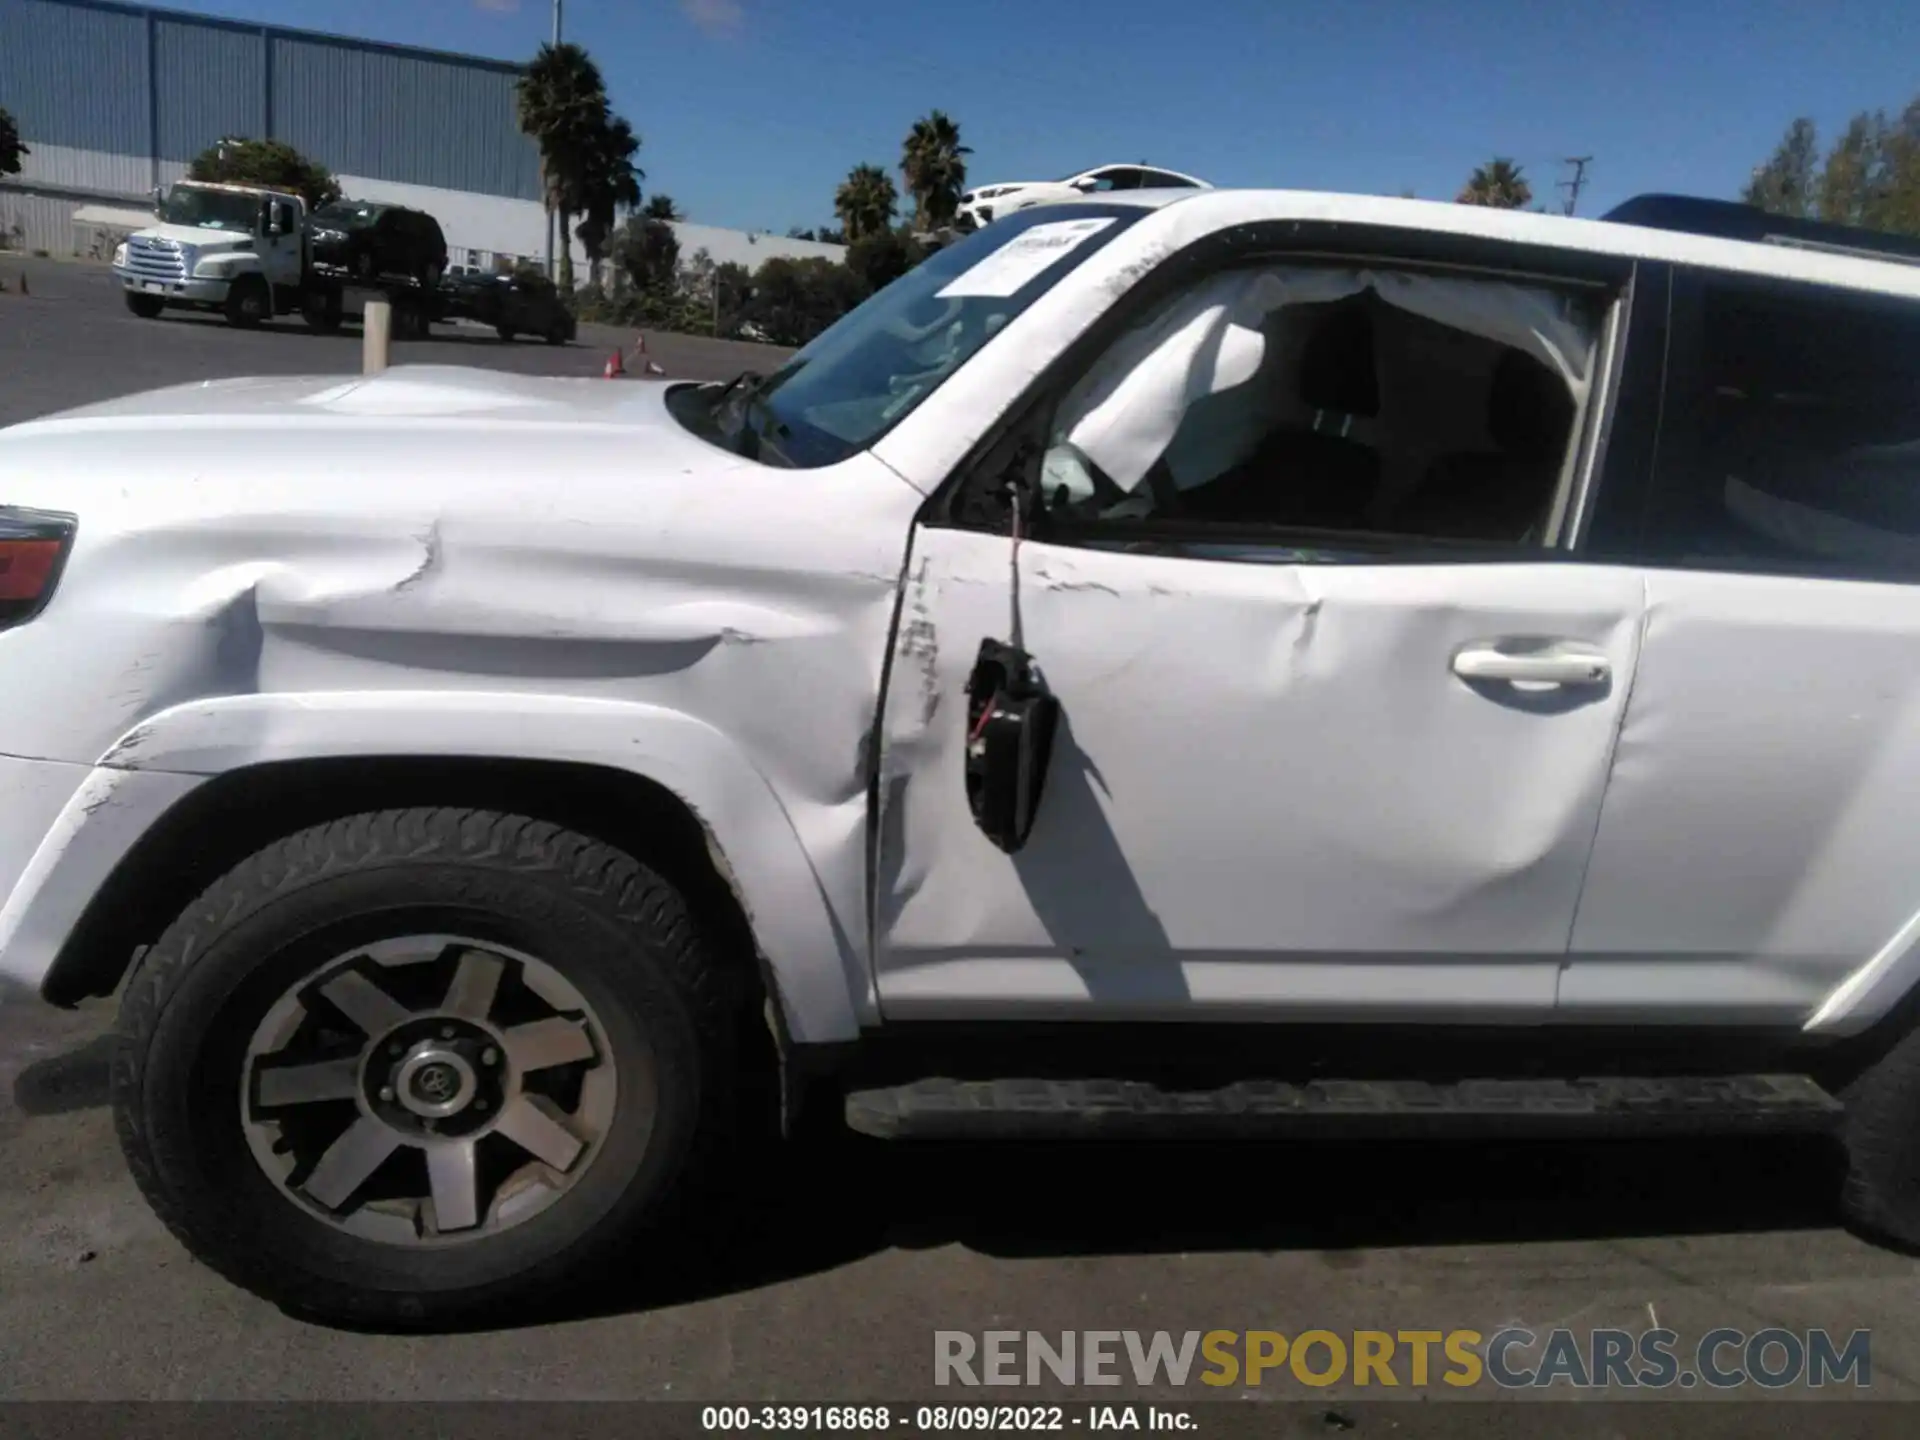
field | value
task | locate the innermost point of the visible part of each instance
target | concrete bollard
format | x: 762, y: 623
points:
x: 377, y: 337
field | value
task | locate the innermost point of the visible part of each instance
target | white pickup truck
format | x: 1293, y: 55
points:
x: 238, y: 249
x: 245, y: 251
x: 1219, y: 663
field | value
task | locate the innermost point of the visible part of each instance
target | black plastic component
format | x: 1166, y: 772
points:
x: 1730, y: 220
x: 1010, y: 723
x: 1253, y: 1109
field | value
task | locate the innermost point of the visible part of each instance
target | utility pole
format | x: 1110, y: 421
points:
x: 1573, y: 186
x: 550, y: 215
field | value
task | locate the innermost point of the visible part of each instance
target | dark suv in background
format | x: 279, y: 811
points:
x: 369, y: 241
x: 524, y: 303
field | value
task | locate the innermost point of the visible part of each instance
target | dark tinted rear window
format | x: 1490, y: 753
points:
x: 1797, y: 438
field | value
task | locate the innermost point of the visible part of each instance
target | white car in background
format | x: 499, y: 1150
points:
x: 979, y: 207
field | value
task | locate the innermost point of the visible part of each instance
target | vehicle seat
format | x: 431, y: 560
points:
x: 1314, y: 475
x: 1503, y: 494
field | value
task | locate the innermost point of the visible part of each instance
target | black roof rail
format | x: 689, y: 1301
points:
x: 1731, y: 220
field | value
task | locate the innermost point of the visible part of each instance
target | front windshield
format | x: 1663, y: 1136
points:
x: 861, y: 376
x: 210, y: 209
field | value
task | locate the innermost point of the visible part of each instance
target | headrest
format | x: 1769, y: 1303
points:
x: 1337, y: 362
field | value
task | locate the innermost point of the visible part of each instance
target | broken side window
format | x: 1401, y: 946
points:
x: 1332, y: 399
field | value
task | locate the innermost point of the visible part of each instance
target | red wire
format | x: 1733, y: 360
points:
x: 986, y: 713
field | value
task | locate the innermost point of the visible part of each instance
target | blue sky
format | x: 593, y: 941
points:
x: 753, y: 110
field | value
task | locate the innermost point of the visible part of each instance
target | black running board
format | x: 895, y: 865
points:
x: 1259, y: 1109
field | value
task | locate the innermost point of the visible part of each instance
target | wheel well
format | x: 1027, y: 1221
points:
x: 235, y: 814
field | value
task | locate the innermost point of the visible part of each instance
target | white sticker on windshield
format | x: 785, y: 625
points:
x: 1010, y: 267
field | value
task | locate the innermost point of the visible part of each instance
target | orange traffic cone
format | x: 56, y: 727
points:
x: 615, y: 366
x: 640, y: 354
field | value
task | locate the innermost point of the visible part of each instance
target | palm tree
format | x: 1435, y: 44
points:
x: 865, y: 201
x: 611, y: 183
x: 563, y: 107
x: 662, y: 208
x: 1498, y: 184
x: 935, y: 170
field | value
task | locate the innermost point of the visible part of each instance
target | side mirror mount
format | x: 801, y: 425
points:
x: 1011, y: 719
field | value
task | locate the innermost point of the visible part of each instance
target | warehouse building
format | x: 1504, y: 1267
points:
x: 115, y: 100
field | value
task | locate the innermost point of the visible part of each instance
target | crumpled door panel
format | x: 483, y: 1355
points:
x: 1268, y: 789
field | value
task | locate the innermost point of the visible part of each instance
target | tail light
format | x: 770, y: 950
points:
x: 33, y: 548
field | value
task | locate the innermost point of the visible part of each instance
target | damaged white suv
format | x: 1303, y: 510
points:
x: 1428, y: 666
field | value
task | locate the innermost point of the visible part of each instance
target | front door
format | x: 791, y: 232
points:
x: 1325, y: 752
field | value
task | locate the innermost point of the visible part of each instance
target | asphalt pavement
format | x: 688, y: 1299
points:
x: 70, y: 341
x: 858, y: 1252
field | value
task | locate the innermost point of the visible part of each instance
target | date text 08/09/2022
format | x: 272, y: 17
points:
x: 937, y: 1418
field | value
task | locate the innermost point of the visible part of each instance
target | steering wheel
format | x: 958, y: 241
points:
x: 903, y: 329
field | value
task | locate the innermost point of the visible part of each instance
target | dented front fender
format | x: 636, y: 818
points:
x: 819, y: 971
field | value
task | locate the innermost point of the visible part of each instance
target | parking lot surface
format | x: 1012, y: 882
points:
x: 70, y: 341
x: 856, y: 1254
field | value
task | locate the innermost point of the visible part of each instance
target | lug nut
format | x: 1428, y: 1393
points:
x: 395, y: 1048
x: 481, y: 1103
x: 386, y: 1092
x: 446, y: 1032
x: 490, y: 1056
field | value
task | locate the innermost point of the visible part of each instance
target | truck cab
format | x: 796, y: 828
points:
x: 238, y: 249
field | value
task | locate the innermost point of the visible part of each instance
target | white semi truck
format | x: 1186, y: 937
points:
x: 244, y: 250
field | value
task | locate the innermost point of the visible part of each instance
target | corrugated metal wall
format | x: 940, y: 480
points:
x: 106, y: 93
x: 210, y: 83
x: 75, y: 79
x: 40, y: 222
x: 420, y: 122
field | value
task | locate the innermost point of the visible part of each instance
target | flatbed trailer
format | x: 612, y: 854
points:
x: 327, y: 300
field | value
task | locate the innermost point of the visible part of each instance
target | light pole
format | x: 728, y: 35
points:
x: 550, y: 216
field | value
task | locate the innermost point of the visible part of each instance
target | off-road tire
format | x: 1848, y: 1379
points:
x: 147, y: 307
x: 618, y: 932
x: 249, y: 303
x: 1881, y: 1197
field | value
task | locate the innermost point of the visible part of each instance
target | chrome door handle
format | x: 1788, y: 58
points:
x: 1556, y: 665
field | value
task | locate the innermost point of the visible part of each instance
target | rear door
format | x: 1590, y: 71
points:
x: 1758, y: 849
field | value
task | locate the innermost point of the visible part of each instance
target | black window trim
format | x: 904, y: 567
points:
x: 1676, y: 445
x: 960, y: 501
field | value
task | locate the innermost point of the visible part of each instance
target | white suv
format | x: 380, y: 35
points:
x: 1239, y: 663
x: 979, y: 206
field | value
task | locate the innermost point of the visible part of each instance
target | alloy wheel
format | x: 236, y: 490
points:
x: 429, y: 1089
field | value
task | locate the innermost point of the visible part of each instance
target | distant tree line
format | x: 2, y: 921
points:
x: 788, y: 301
x: 1868, y: 177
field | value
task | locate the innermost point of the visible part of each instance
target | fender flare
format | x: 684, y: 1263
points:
x: 819, y: 973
